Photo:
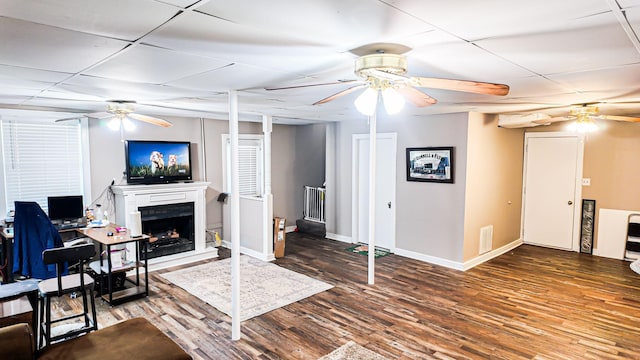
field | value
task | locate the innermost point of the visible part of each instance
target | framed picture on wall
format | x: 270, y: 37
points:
x: 430, y: 164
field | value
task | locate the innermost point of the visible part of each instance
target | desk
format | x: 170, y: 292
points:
x: 100, y: 236
x: 6, y: 262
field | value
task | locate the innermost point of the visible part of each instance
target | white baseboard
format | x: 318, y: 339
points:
x: 430, y: 259
x: 290, y: 228
x: 337, y: 237
x: 491, y: 254
x: 181, y: 259
x: 456, y: 265
x: 250, y: 252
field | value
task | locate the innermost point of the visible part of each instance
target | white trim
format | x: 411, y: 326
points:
x: 337, y: 237
x: 491, y: 254
x: 577, y: 196
x: 430, y: 259
x: 290, y: 228
x: 246, y: 251
x: 181, y: 259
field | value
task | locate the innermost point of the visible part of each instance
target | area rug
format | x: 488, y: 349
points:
x: 364, y: 250
x: 263, y: 286
x: 352, y: 351
x: 635, y: 266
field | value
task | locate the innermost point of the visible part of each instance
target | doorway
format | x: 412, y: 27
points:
x: 552, y: 190
x: 385, y: 209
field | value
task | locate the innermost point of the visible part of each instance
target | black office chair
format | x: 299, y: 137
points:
x: 78, y: 283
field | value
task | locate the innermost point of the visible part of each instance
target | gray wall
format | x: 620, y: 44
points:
x: 436, y: 209
x: 108, y: 160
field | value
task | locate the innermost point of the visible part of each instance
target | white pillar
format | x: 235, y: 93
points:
x: 372, y: 197
x: 267, y: 202
x: 234, y: 199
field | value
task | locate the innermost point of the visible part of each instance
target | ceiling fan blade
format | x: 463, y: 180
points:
x: 620, y: 118
x: 150, y: 119
x: 461, y: 85
x: 312, y: 85
x: 415, y: 96
x: 71, y: 118
x: 341, y: 93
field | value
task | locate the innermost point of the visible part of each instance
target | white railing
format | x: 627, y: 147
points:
x: 314, y: 203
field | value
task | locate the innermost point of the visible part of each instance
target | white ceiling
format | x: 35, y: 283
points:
x: 180, y: 57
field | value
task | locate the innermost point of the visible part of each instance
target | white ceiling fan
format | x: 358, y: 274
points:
x: 121, y: 112
x: 382, y: 69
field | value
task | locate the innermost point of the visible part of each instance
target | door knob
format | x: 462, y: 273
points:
x: 389, y: 204
x: 570, y: 202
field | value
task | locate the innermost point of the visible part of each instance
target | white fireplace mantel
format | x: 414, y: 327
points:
x: 128, y: 198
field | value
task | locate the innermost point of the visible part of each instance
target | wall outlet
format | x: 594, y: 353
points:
x: 586, y: 182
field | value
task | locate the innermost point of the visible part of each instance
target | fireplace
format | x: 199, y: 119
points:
x: 170, y: 227
x: 160, y: 198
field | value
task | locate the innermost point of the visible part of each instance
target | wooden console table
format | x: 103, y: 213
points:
x: 100, y: 235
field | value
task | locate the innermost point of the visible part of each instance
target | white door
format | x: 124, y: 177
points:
x: 385, y: 224
x: 551, y: 191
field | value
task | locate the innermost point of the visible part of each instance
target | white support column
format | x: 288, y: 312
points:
x: 267, y: 212
x: 372, y: 197
x: 235, y: 217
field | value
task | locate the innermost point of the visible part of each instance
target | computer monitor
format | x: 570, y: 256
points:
x: 65, y: 208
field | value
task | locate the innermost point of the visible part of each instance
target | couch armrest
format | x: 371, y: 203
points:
x: 17, y: 342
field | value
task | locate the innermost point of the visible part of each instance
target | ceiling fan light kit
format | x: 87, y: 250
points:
x: 367, y: 101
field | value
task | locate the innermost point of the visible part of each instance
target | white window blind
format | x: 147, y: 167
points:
x: 250, y: 166
x: 248, y: 170
x: 41, y: 160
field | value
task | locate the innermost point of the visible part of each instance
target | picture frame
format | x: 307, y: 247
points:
x: 586, y: 226
x: 431, y: 164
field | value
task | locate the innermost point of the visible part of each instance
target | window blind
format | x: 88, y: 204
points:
x: 248, y: 170
x: 41, y: 160
x: 249, y: 166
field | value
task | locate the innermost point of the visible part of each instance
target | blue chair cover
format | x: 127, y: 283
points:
x: 33, y: 233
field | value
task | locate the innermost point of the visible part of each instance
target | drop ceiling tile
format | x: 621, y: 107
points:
x: 474, y: 20
x: 625, y: 4
x: 633, y: 16
x: 181, y: 3
x: 153, y: 65
x: 346, y: 24
x: 110, y: 89
x: 448, y: 57
x: 606, y: 79
x: 22, y: 73
x: 597, y: 42
x: 48, y: 48
x: 119, y: 19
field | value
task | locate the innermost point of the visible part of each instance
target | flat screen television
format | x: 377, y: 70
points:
x: 65, y: 208
x: 153, y: 162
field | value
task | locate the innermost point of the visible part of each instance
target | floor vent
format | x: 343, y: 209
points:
x: 486, y: 239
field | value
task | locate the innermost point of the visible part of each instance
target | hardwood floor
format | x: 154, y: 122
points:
x: 531, y: 303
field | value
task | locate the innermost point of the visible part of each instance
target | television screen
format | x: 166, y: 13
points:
x: 65, y: 208
x: 150, y: 162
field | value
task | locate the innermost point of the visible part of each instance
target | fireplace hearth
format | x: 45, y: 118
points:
x: 170, y: 228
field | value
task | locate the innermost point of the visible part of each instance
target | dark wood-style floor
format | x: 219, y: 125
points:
x: 531, y: 303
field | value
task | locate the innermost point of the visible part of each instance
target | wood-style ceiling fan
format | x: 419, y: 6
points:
x: 588, y: 112
x: 121, y: 111
x: 382, y: 66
